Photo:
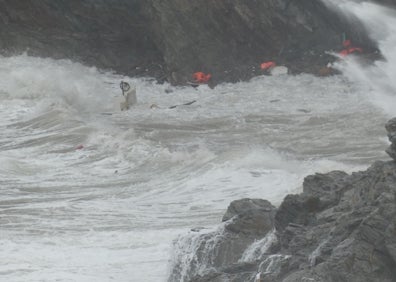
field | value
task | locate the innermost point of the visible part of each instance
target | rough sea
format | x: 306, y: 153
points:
x: 90, y: 193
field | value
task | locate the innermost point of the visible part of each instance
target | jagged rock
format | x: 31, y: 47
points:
x: 295, y: 209
x: 250, y: 216
x: 246, y: 220
x: 326, y: 188
x: 347, y: 240
x: 340, y: 228
x: 245, y: 205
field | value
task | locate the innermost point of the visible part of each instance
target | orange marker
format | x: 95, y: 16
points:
x: 267, y: 65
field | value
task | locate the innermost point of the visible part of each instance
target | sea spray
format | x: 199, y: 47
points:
x: 193, y: 253
x: 111, y: 209
x: 377, y: 78
x: 256, y: 250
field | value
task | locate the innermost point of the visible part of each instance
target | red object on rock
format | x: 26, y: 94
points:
x: 79, y: 147
x: 267, y: 65
x: 201, y: 77
x: 355, y: 49
x: 349, y: 49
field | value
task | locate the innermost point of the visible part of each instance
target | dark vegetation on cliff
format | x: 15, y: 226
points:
x: 169, y: 40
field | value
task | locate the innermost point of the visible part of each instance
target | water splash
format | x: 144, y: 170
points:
x: 256, y: 250
x: 378, y: 78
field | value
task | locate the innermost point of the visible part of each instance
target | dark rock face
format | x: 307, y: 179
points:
x: 231, y: 38
x: 346, y: 240
x: 109, y: 34
x: 172, y: 39
x: 340, y: 228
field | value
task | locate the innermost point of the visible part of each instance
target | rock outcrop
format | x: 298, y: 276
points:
x: 170, y: 40
x: 340, y: 228
x: 246, y: 220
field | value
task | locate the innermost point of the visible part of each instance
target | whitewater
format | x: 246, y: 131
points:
x: 90, y: 193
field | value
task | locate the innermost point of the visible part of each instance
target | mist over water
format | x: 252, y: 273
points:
x: 89, y: 193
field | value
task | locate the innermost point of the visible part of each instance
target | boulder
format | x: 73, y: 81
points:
x: 250, y: 216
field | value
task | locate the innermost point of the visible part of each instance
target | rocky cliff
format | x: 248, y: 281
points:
x: 340, y: 228
x: 109, y: 34
x: 172, y: 39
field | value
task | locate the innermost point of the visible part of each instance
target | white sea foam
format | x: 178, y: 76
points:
x: 92, y: 194
x: 256, y: 250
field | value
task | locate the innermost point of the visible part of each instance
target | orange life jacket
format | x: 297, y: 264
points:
x: 267, y: 65
x: 201, y: 77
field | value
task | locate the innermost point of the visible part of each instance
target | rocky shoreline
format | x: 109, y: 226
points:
x: 170, y: 40
x: 340, y: 228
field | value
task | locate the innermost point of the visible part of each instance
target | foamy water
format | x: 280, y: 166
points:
x: 89, y: 193
x: 378, y: 77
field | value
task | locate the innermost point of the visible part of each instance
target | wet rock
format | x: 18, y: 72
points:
x: 292, y: 211
x: 326, y: 188
x: 250, y: 216
x: 246, y: 221
x: 340, y: 228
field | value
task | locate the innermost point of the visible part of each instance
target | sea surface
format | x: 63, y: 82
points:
x: 90, y: 193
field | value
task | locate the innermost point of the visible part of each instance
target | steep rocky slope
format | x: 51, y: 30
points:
x: 172, y: 39
x: 108, y: 34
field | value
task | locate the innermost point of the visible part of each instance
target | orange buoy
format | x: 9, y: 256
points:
x: 267, y: 65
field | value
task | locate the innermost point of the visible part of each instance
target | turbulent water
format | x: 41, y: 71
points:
x: 89, y: 193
